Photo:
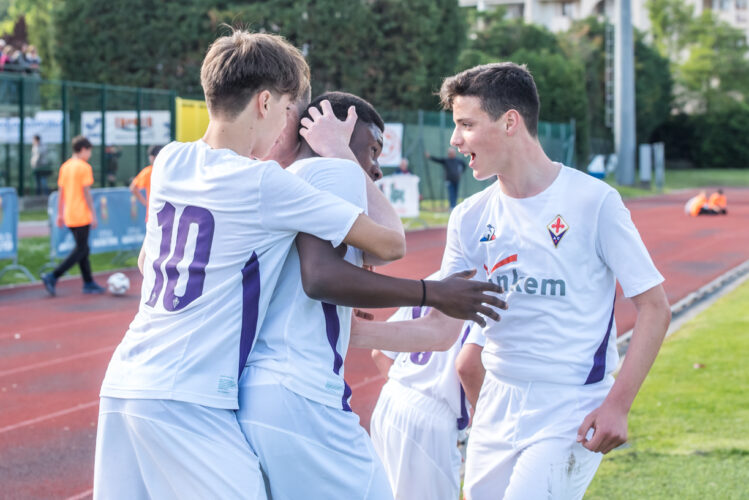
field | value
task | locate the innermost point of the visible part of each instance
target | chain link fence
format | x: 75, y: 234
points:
x: 430, y: 131
x: 121, y: 123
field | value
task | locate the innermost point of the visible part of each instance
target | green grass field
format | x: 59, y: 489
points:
x: 689, y: 426
x: 34, y: 254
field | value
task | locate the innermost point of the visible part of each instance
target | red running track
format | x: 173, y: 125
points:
x: 53, y: 352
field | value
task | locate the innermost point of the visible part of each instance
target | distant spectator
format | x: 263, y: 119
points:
x: 40, y: 165
x: 75, y: 209
x: 718, y: 202
x: 112, y: 154
x: 454, y: 169
x: 33, y: 60
x: 143, y: 179
x: 403, y: 167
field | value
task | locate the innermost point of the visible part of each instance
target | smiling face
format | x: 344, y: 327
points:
x: 478, y: 136
x: 366, y: 144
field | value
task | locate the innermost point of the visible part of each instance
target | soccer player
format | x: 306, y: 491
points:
x: 143, y: 179
x: 75, y: 210
x: 557, y: 240
x: 221, y: 226
x: 294, y: 403
x: 421, y: 410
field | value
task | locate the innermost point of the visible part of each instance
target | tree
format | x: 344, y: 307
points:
x: 560, y: 78
x: 133, y: 42
x: 708, y: 56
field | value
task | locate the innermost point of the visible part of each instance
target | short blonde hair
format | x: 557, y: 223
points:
x: 242, y: 64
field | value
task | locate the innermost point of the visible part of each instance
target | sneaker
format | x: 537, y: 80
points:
x: 92, y: 287
x: 49, y: 281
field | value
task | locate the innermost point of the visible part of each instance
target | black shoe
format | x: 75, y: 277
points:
x: 49, y: 281
x: 92, y: 288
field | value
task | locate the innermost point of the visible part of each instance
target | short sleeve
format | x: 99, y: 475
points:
x: 475, y: 335
x: 288, y: 203
x: 87, y: 175
x: 621, y: 248
x: 453, y: 260
x: 140, y: 179
x: 342, y: 178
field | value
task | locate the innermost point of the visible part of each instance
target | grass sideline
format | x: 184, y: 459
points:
x: 33, y: 253
x: 689, y: 426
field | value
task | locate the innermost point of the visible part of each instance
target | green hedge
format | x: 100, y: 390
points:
x: 713, y: 139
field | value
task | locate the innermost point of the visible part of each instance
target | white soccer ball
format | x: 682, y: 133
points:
x: 118, y: 284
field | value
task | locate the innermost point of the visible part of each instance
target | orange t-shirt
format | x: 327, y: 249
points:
x: 143, y: 181
x: 75, y: 174
x: 717, y: 201
x: 696, y: 203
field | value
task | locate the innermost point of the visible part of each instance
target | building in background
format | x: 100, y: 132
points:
x: 558, y: 15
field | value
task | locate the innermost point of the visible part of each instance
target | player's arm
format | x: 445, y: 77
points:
x: 382, y: 212
x: 90, y: 202
x: 471, y: 371
x: 433, y: 332
x: 60, y: 207
x: 329, y: 278
x: 135, y: 189
x: 382, y: 362
x: 609, y: 420
x: 376, y: 240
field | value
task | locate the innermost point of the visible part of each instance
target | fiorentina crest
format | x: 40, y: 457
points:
x: 557, y: 228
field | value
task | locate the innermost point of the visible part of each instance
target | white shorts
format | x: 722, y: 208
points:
x: 155, y: 448
x: 523, y: 442
x: 309, y: 450
x: 416, y: 437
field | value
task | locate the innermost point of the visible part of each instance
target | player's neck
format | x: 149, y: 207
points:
x: 528, y: 171
x: 237, y: 136
x: 305, y: 151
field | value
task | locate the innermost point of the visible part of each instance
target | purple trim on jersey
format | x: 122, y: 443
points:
x: 464, y: 419
x: 599, y: 359
x: 418, y: 311
x: 250, y: 309
x: 346, y: 397
x: 333, y: 331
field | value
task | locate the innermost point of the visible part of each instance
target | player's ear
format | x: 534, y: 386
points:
x: 262, y: 99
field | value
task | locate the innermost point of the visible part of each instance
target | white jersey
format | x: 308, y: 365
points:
x: 558, y: 255
x: 219, y: 230
x: 433, y: 374
x: 303, y: 342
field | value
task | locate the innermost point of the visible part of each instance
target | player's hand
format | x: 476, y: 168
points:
x: 609, y: 424
x: 327, y: 135
x: 60, y: 221
x: 446, y: 330
x: 460, y: 297
x: 94, y: 222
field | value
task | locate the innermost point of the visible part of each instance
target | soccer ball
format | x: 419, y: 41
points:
x: 118, y: 284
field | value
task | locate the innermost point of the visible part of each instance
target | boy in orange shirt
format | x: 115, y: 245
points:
x: 75, y: 209
x: 143, y: 179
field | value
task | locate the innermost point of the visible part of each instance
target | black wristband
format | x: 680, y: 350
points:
x: 423, y: 293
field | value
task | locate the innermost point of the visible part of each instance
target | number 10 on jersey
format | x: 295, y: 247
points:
x: 203, y: 220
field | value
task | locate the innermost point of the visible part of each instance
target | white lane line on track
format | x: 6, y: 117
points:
x: 48, y: 416
x: 367, y: 381
x: 83, y: 494
x: 57, y: 361
x: 58, y: 325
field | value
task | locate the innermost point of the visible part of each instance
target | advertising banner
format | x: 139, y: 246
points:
x: 121, y: 227
x: 8, y: 223
x: 122, y: 127
x: 403, y: 193
x: 392, y: 146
